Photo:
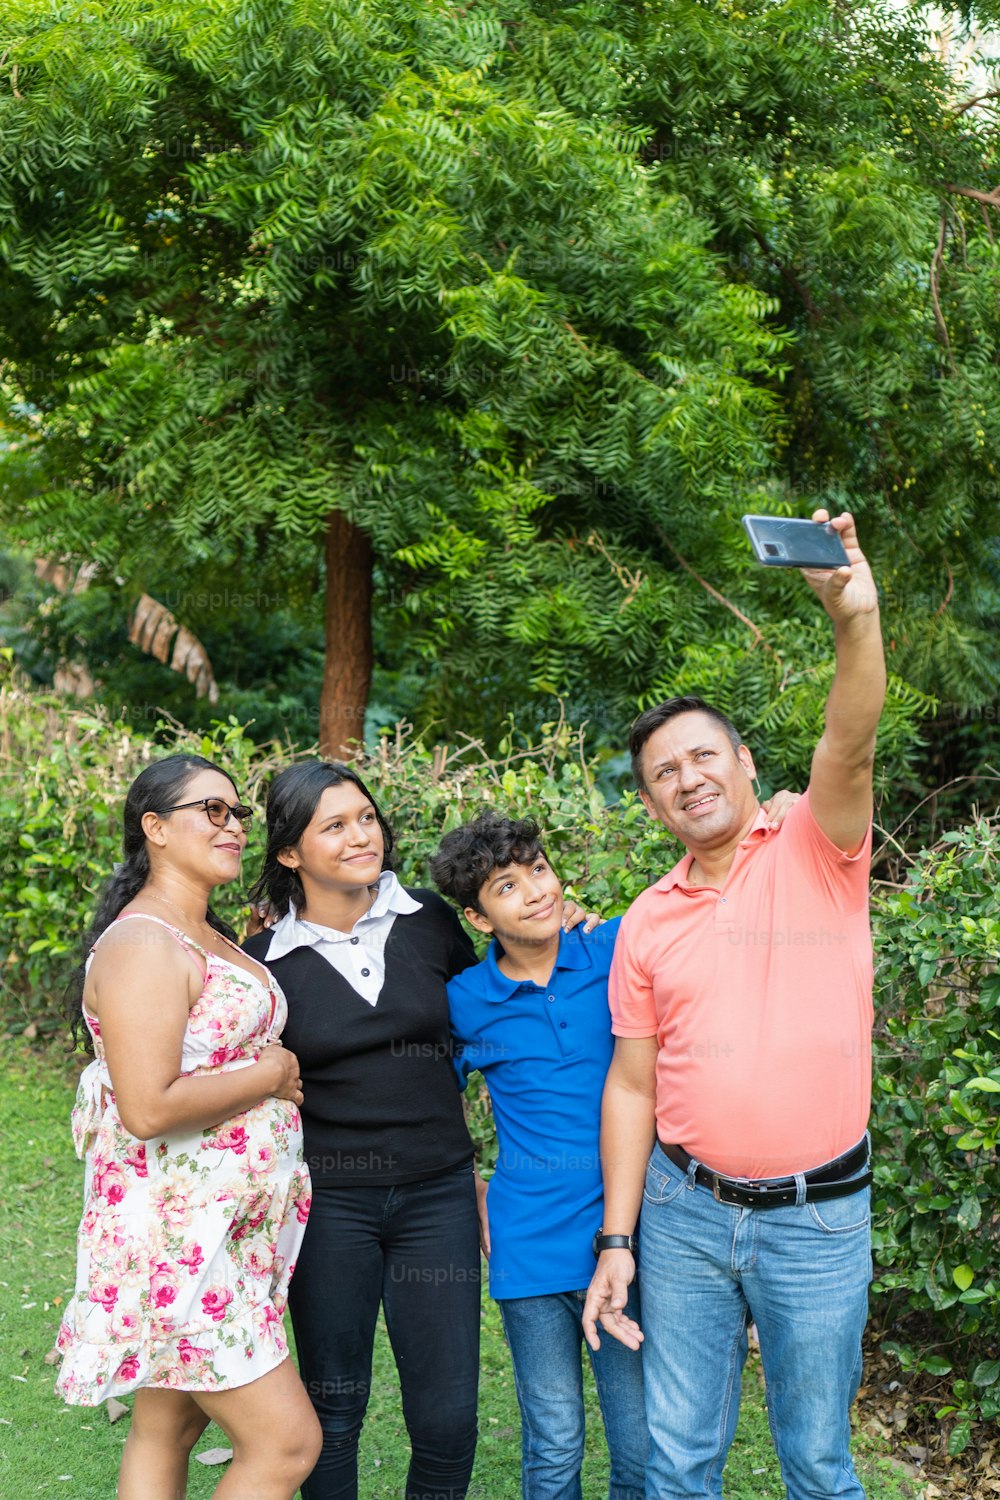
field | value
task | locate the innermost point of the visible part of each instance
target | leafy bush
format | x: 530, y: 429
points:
x: 935, y: 1123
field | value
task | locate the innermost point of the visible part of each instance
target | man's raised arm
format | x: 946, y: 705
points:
x: 840, y: 785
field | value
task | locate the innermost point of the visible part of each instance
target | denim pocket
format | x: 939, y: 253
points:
x: 660, y: 1187
x: 845, y: 1215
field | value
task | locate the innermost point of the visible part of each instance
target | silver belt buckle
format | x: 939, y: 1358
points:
x: 734, y: 1184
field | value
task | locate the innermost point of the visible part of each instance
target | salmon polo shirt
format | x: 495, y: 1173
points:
x: 760, y: 997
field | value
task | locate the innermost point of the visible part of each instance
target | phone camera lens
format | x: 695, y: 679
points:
x: 772, y: 549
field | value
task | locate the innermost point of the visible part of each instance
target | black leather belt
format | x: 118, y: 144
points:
x: 779, y: 1192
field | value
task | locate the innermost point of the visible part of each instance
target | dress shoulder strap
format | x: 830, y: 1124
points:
x: 175, y: 932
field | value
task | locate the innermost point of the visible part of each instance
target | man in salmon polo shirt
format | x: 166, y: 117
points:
x: 736, y: 1105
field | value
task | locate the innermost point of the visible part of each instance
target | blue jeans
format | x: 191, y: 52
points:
x: 414, y: 1248
x: 545, y: 1335
x: 708, y: 1269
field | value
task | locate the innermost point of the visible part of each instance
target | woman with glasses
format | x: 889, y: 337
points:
x: 364, y: 964
x: 196, y: 1195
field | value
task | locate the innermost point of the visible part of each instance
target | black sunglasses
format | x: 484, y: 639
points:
x: 219, y: 812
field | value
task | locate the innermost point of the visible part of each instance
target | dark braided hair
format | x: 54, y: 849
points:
x: 156, y: 788
x: 292, y: 801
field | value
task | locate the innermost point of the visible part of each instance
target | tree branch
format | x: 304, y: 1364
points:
x: 978, y: 99
x: 580, y: 341
x: 955, y: 781
x: 937, y: 261
x: 950, y: 590
x: 788, y: 274
x: 991, y: 199
x: 758, y: 635
x: 631, y: 582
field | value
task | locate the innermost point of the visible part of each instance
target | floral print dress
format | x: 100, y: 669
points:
x: 187, y: 1242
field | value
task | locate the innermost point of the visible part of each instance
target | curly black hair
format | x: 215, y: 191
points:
x: 468, y: 855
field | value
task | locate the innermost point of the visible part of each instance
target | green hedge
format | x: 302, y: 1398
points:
x: 935, y: 1121
x: 937, y: 1069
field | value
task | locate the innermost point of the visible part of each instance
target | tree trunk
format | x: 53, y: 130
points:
x: 347, y: 669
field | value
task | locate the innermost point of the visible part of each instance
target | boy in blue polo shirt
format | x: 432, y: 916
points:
x: 533, y: 1018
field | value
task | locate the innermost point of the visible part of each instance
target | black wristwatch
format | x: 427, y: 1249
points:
x: 604, y: 1241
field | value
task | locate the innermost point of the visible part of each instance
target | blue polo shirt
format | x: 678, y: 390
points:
x: 544, y: 1052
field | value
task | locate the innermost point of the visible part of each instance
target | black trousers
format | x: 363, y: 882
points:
x: 415, y: 1249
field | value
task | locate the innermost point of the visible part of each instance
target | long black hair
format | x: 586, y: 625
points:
x: 156, y: 788
x: 291, y: 804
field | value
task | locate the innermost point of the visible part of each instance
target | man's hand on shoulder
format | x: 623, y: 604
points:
x: 573, y: 915
x: 779, y: 806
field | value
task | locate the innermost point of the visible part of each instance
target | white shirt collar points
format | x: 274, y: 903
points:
x: 292, y: 932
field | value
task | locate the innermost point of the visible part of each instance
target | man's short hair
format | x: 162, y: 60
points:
x: 468, y: 855
x: 648, y: 722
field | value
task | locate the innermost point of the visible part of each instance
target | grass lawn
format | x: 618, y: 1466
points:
x: 47, y: 1448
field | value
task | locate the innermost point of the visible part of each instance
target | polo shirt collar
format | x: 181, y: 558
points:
x: 499, y: 986
x: 293, y: 932
x: 758, y: 831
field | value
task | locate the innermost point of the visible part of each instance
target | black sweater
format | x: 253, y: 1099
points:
x: 382, y: 1103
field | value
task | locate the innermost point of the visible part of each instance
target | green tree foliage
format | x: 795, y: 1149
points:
x: 851, y: 178
x: 542, y: 298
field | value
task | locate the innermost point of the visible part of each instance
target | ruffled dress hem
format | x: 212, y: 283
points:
x: 94, y: 1373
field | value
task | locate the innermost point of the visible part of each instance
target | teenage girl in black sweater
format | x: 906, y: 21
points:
x: 364, y: 965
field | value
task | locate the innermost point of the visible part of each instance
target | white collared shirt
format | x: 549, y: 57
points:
x: 358, y: 955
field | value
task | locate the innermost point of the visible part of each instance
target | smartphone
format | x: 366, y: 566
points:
x: 780, y: 542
